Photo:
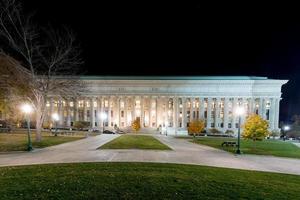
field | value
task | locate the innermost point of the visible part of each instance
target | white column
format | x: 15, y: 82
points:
x: 264, y: 109
x: 276, y: 121
x: 217, y: 112
x: 76, y: 113
x: 183, y: 112
x: 208, y: 122
x: 176, y: 112
x: 68, y: 113
x: 234, y: 116
x: 109, y: 111
x: 201, y: 108
x: 142, y: 112
x: 60, y: 112
x: 84, y: 110
x: 92, y: 112
x: 156, y: 110
x: 272, y: 113
x: 226, y: 102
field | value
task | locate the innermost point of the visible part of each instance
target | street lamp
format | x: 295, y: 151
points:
x: 285, y: 129
x: 27, y: 109
x: 55, y: 118
x: 239, y: 112
x: 103, y: 116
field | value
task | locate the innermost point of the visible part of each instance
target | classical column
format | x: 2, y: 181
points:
x: 121, y: 99
x: 264, y: 109
x: 272, y: 113
x: 234, y: 116
x: 149, y: 112
x: 277, y: 105
x: 201, y: 108
x: 118, y: 114
x: 109, y: 111
x: 174, y: 112
x: 217, y: 112
x: 156, y: 110
x: 60, y: 112
x: 183, y: 112
x: 226, y: 102
x: 92, y: 112
x: 142, y: 112
x: 260, y: 108
x: 208, y: 121
x: 68, y: 113
x: 133, y: 101
x: 84, y: 110
x: 76, y: 112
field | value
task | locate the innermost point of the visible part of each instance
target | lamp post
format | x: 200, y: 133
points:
x: 55, y: 118
x: 103, y: 116
x: 239, y: 111
x: 285, y: 129
x: 27, y: 109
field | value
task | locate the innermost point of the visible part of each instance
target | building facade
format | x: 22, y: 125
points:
x: 169, y: 103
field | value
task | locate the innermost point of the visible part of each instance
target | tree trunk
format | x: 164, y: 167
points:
x: 38, y: 128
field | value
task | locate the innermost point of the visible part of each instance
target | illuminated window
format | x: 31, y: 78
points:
x: 80, y: 104
x: 48, y: 104
x: 153, y: 104
x: 95, y: 103
x: 122, y: 104
x: 106, y: 103
x: 87, y: 103
x: 71, y: 104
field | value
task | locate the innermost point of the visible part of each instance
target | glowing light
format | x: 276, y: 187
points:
x: 26, y: 108
x: 55, y: 116
x: 239, y: 111
x: 286, y: 128
x: 103, y: 115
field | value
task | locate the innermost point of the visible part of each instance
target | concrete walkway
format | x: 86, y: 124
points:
x: 184, y: 152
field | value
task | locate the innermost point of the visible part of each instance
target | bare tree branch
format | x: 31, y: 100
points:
x: 44, y: 55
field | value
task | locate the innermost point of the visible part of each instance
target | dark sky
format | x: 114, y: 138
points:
x: 184, y: 39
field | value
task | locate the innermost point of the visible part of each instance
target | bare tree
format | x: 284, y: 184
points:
x: 39, y: 59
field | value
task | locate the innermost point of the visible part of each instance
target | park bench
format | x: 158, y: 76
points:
x: 229, y: 143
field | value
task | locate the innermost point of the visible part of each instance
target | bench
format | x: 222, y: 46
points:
x: 229, y: 143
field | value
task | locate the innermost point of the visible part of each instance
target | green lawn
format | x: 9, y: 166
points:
x: 135, y: 142
x: 18, y: 142
x: 265, y: 147
x: 142, y: 181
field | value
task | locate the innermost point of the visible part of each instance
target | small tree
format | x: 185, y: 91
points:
x: 255, y: 128
x: 196, y: 127
x: 136, y: 125
x: 81, y: 125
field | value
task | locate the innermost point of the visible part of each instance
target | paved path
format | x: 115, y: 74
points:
x: 85, y: 150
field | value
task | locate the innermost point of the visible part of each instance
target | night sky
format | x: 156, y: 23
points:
x: 184, y: 39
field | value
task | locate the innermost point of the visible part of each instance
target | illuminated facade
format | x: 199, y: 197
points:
x: 169, y: 102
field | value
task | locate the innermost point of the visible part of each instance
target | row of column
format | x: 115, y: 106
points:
x: 155, y: 111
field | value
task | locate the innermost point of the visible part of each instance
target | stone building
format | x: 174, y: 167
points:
x: 169, y: 102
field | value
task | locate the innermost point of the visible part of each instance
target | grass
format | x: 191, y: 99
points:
x: 18, y: 141
x: 135, y: 142
x: 142, y: 181
x: 265, y: 147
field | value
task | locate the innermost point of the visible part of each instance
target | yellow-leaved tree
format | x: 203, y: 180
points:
x: 255, y: 128
x: 196, y: 127
x: 136, y: 125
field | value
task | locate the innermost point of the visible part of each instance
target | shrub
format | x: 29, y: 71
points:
x: 81, y: 125
x: 214, y: 131
x: 229, y: 132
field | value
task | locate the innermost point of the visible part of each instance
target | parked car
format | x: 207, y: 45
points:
x: 120, y: 132
x: 108, y: 132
